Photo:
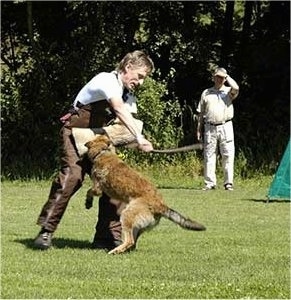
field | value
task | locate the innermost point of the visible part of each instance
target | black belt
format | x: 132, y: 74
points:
x: 217, y: 124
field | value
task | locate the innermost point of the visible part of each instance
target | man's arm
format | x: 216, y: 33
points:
x: 200, y: 118
x: 199, y: 132
x: 233, y: 93
x: 127, y: 119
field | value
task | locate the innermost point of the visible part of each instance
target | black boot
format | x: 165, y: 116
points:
x: 44, y: 239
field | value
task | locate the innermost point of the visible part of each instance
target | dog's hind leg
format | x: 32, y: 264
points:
x: 134, y: 218
x: 128, y: 242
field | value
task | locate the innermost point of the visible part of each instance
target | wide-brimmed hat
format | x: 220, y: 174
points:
x: 220, y: 72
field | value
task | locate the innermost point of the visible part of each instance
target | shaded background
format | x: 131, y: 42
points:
x: 49, y: 50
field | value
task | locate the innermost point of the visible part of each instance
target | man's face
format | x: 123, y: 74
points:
x: 133, y: 76
x: 218, y: 80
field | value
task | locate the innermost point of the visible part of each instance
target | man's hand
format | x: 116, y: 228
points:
x: 199, y: 135
x: 144, y: 144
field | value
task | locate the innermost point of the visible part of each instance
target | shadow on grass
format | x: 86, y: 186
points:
x: 269, y: 200
x: 58, y: 243
x: 171, y: 187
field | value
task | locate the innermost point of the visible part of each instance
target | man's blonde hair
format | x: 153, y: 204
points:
x: 138, y: 59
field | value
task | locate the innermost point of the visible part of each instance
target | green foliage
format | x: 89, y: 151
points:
x: 243, y: 254
x: 176, y: 170
x: 50, y: 50
x: 29, y: 127
x: 160, y: 119
x: 159, y: 116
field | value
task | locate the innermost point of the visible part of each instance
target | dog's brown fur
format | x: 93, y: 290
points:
x: 144, y: 204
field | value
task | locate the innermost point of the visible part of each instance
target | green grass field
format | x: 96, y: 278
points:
x: 245, y: 252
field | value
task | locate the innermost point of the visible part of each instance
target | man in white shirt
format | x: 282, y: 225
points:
x: 102, y: 100
x: 215, y: 115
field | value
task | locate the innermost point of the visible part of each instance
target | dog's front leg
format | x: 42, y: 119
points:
x: 89, y: 198
x: 95, y: 190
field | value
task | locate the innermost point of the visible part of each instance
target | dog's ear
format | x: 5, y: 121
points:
x: 88, y: 144
x: 102, y: 141
x: 105, y: 139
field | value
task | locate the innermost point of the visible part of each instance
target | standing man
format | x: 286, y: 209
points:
x: 103, y: 99
x: 215, y: 113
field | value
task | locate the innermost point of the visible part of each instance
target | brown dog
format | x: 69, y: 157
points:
x: 144, y: 204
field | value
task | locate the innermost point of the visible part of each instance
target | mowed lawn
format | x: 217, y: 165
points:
x: 244, y: 253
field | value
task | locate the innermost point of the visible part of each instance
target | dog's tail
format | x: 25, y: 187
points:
x: 185, y: 223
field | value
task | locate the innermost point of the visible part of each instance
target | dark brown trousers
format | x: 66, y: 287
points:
x: 67, y: 183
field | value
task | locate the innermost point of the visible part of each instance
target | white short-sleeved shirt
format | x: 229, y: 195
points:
x: 105, y: 86
x: 216, y: 105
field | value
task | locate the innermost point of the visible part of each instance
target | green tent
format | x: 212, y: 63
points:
x: 280, y: 186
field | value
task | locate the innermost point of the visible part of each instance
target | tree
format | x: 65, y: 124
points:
x: 50, y: 49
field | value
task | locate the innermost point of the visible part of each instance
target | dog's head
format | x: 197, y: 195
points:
x: 97, y: 145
